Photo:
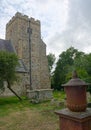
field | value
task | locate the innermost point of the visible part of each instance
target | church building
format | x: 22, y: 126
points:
x: 24, y: 34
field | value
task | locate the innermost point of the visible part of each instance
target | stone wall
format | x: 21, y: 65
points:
x: 16, y: 31
x: 19, y: 86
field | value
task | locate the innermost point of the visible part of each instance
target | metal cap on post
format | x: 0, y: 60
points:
x: 75, y: 81
x: 76, y: 93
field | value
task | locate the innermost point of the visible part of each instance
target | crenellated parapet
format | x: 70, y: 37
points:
x: 23, y: 17
x: 32, y: 20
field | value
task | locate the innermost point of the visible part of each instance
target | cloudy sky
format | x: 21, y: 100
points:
x: 64, y: 23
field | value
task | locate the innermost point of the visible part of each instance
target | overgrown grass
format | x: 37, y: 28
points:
x: 12, y: 103
x: 59, y: 95
x: 24, y: 115
x: 10, y: 106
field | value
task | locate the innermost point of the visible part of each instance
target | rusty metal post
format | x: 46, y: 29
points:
x: 76, y: 94
x: 76, y: 116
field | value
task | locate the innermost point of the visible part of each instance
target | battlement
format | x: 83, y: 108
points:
x: 18, y: 14
x: 34, y: 21
x: 22, y: 16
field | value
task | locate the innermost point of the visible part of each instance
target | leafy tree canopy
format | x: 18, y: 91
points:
x: 8, y: 63
x: 51, y: 59
x: 70, y: 60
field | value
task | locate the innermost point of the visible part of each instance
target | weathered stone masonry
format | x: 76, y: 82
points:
x: 16, y: 31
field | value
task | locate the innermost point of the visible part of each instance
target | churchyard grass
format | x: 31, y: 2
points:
x: 24, y: 115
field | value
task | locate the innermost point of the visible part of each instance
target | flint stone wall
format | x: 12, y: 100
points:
x: 16, y: 31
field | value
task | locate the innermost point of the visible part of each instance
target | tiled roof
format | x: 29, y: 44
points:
x: 6, y: 45
x: 21, y: 68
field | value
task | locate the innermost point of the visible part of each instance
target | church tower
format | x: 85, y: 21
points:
x: 17, y: 32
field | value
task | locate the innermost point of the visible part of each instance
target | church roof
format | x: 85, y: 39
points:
x: 21, y: 68
x: 6, y: 45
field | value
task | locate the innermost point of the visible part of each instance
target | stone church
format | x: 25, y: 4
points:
x: 25, y: 35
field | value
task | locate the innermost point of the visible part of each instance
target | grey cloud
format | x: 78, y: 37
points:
x: 64, y: 23
x: 78, y: 29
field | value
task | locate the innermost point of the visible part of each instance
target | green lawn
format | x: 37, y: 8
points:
x: 23, y: 115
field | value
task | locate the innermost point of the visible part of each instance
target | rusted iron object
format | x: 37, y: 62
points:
x: 76, y: 94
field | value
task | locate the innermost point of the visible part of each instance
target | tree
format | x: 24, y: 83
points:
x: 51, y: 59
x: 70, y: 60
x: 87, y: 63
x: 64, y: 65
x: 8, y: 63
